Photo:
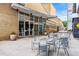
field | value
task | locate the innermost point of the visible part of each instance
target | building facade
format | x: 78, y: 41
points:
x: 70, y: 9
x: 74, y: 13
x: 24, y: 19
x: 8, y: 21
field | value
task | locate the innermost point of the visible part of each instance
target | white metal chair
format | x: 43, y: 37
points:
x: 62, y: 42
x: 35, y: 43
x: 43, y: 46
x: 51, y: 40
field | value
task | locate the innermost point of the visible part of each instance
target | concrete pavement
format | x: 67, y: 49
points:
x: 22, y: 47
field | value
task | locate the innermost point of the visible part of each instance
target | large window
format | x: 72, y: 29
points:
x: 21, y: 24
x: 30, y: 24
x: 42, y: 24
x: 25, y: 26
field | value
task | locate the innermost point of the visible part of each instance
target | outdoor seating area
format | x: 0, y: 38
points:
x: 41, y: 46
x: 59, y: 40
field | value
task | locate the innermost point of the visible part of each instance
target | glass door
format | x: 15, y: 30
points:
x: 31, y: 28
x: 26, y: 28
x: 21, y: 28
x: 35, y: 29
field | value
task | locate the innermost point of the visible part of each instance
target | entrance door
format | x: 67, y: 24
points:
x: 28, y: 28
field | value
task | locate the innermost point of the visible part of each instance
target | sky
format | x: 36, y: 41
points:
x: 61, y: 10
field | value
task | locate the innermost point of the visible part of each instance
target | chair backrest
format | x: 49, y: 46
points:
x: 35, y: 38
x: 50, y: 35
x: 55, y: 35
x: 63, y: 35
x: 43, y: 41
x: 64, y: 39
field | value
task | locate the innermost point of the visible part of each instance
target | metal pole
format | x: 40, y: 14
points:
x: 67, y: 16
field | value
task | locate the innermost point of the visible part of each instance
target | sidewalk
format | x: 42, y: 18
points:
x: 22, y: 47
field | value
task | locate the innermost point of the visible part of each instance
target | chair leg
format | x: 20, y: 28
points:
x: 48, y: 52
x: 37, y: 52
x: 49, y: 46
x: 66, y: 51
x: 55, y: 49
x: 32, y: 46
x: 58, y: 51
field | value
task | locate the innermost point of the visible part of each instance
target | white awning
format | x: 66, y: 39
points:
x: 28, y: 10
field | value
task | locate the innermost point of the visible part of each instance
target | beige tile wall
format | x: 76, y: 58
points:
x: 8, y: 21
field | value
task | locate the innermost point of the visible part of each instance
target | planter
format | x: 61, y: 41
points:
x: 12, y: 36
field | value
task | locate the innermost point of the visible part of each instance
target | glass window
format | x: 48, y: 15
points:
x: 36, y: 29
x: 40, y: 28
x: 26, y: 33
x: 26, y: 25
x: 43, y: 20
x: 31, y: 17
x: 27, y: 17
x: 40, y: 20
x: 42, y: 24
x: 22, y: 4
x: 21, y: 16
x: 26, y: 28
x: 36, y: 19
x: 21, y: 28
x: 31, y: 28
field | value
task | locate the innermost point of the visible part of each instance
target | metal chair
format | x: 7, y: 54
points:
x: 62, y: 42
x: 43, y: 46
x: 35, y: 43
x: 51, y: 40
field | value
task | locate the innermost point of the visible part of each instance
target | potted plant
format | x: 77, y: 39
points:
x: 45, y: 33
x: 13, y: 36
